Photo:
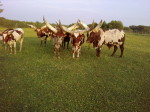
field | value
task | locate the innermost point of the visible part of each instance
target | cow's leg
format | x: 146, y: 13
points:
x: 73, y: 52
x: 73, y: 55
x: 45, y: 40
x: 98, y: 52
x: 21, y: 42
x: 78, y: 52
x: 122, y: 49
x: 14, y: 47
x: 10, y: 46
x: 115, y: 49
x: 59, y: 53
x: 54, y: 50
x: 5, y: 46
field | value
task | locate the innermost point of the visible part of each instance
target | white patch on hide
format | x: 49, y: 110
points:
x: 76, y: 34
x: 113, y: 35
x: 1, y: 38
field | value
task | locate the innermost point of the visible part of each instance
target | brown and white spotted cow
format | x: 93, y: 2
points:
x: 77, y: 37
x: 11, y: 36
x: 110, y: 38
x: 67, y: 37
x: 43, y: 33
x: 57, y: 38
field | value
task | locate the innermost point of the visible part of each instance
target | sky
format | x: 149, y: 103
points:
x: 130, y: 12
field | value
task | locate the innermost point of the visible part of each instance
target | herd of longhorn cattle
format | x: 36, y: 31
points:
x: 61, y: 34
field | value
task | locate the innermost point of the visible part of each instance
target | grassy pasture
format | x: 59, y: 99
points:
x: 35, y: 81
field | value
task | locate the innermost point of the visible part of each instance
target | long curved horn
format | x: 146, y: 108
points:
x: 49, y: 26
x: 92, y: 25
x: 73, y: 27
x: 43, y: 27
x: 64, y: 28
x: 32, y: 26
x: 83, y: 24
x: 84, y: 31
x: 10, y: 32
x: 99, y: 25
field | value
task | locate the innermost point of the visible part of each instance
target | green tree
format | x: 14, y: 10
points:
x: 105, y: 26
x: 115, y: 25
x: 127, y: 29
x: 1, y: 10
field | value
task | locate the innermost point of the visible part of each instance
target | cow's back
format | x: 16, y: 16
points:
x: 18, y: 33
x: 112, y: 36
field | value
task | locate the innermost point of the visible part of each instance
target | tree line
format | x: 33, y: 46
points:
x: 17, y: 24
x: 111, y: 25
x: 140, y: 29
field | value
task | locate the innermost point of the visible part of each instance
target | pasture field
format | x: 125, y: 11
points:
x: 36, y: 81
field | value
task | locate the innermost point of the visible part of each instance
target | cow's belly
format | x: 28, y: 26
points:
x: 18, y: 38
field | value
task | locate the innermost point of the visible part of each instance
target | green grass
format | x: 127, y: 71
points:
x: 36, y: 81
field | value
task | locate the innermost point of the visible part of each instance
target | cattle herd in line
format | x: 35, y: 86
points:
x: 61, y: 34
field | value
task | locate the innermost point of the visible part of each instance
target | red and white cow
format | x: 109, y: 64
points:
x: 98, y: 37
x: 77, y: 37
x: 57, y: 38
x: 11, y: 36
x: 67, y: 37
x: 43, y: 33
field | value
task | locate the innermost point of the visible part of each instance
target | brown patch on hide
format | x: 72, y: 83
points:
x: 9, y: 38
x: 7, y: 30
x: 110, y: 45
x: 122, y: 39
x: 19, y: 32
x: 94, y: 38
x: 77, y: 40
x: 60, y: 34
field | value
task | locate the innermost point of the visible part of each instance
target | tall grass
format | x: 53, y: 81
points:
x: 36, y: 81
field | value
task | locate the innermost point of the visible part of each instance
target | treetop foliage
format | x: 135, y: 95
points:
x: 1, y: 10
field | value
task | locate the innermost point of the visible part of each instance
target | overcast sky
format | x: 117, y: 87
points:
x: 130, y: 12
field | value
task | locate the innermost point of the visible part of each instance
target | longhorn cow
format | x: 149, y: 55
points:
x: 43, y: 33
x: 111, y: 38
x: 77, y: 39
x: 11, y: 36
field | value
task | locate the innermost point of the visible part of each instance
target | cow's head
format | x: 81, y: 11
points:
x: 9, y: 37
x: 77, y: 35
x: 33, y: 27
x: 38, y: 30
x: 94, y: 35
x: 6, y: 34
x: 58, y: 33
